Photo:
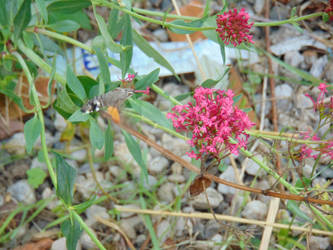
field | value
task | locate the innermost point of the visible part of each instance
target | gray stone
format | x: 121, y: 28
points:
x: 259, y: 6
x: 228, y: 175
x: 176, y: 178
x: 256, y: 210
x: 152, y: 181
x: 161, y: 35
x: 16, y: 144
x: 212, y: 228
x: 326, y: 172
x: 128, y: 189
x: 165, y: 192
x: 279, y: 12
x: 48, y: 193
x: 263, y: 185
x: 128, y: 225
x: 85, y: 168
x: 59, y: 122
x: 218, y: 239
x: 283, y: 94
x: 268, y: 105
x: 1, y: 200
x: 175, y: 145
x: 61, y: 244
x: 318, y: 67
x: 180, y: 226
x: 96, y: 211
x: 125, y: 157
x: 307, y: 170
x: 86, y: 241
x: 158, y: 164
x: 200, y: 201
x: 87, y: 185
x: 163, y: 230
x: 79, y: 155
x: 22, y: 192
x: 319, y: 243
x: 329, y: 72
x: 294, y: 58
x: 254, y: 169
x: 119, y: 173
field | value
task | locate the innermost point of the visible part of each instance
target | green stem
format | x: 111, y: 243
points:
x: 40, y: 62
x: 161, y: 92
x: 163, y: 15
x: 151, y: 20
x: 88, y: 230
x: 290, y: 20
x: 40, y: 116
x: 61, y: 37
x: 153, y: 124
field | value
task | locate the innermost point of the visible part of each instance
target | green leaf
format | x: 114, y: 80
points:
x: 67, y: 7
x: 79, y: 208
x: 307, y: 182
x: 222, y: 48
x: 147, y: 80
x: 28, y: 39
x: 209, y: 83
x: 114, y: 27
x: 75, y: 85
x: 135, y: 151
x: 79, y: 17
x: 112, y: 45
x: 89, y: 85
x: 64, y: 104
x: 146, y: 48
x: 151, y: 112
x: 237, y: 98
x: 32, y: 129
x: 96, y: 134
x: 65, y: 180
x: 22, y: 18
x: 183, y: 96
x: 36, y: 177
x: 194, y: 24
x: 46, y: 43
x: 104, y: 69
x: 72, y: 230
x: 4, y: 19
x: 42, y: 9
x: 108, y: 143
x: 78, y: 116
x: 6, y: 90
x: 64, y: 26
x: 210, y: 34
x: 293, y: 208
x: 126, y: 40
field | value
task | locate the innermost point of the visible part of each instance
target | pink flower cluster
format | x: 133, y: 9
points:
x: 319, y: 103
x: 212, y: 119
x: 306, y: 151
x: 326, y: 148
x: 233, y: 27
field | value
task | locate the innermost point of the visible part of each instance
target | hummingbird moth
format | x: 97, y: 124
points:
x: 112, y: 99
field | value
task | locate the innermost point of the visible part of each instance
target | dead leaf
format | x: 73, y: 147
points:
x: 44, y: 244
x: 199, y: 185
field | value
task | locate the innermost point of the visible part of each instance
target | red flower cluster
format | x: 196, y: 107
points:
x: 233, y: 27
x: 212, y: 120
x: 329, y: 10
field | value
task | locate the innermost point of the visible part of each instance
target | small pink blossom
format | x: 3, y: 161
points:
x: 146, y: 91
x: 212, y: 120
x: 233, y: 27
